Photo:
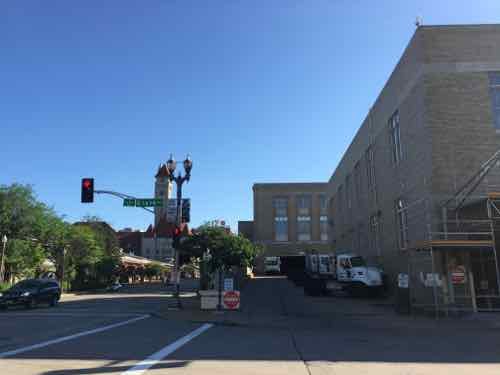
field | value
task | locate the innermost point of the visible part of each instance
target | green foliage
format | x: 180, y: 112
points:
x: 24, y: 258
x: 104, y: 234
x: 88, y: 252
x: 4, y: 286
x: 24, y: 221
x: 107, y: 269
x: 225, y: 249
x: 154, y: 270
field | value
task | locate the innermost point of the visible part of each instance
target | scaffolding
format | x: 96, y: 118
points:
x: 452, y: 264
x: 456, y: 270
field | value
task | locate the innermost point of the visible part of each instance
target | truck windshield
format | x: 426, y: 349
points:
x: 357, y: 262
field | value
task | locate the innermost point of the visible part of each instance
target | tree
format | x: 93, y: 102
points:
x: 82, y: 256
x: 24, y: 258
x: 87, y: 252
x: 104, y: 234
x: 153, y: 270
x: 107, y: 269
x: 225, y: 249
x: 25, y: 221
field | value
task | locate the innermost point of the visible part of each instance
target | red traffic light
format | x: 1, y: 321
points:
x: 87, y: 190
x: 177, y: 232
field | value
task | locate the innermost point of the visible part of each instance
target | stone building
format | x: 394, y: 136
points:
x: 434, y: 124
x: 288, y: 218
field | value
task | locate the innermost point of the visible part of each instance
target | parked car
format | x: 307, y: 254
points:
x: 31, y: 292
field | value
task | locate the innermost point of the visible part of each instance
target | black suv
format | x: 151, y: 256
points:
x: 31, y: 292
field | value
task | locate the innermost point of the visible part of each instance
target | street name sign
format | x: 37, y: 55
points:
x: 147, y: 202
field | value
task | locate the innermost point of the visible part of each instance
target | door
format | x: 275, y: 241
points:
x: 45, y: 293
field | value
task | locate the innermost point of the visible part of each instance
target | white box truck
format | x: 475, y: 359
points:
x: 345, y: 271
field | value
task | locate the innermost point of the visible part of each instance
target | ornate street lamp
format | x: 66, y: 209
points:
x: 179, y: 180
x: 171, y: 165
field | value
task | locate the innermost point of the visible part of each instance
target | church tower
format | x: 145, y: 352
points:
x: 163, y: 190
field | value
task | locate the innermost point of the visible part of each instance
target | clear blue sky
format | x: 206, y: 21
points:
x: 256, y: 91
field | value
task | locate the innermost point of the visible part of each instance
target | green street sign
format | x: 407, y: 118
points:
x: 129, y: 202
x: 148, y: 202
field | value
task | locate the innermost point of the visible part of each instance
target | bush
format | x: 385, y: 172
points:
x: 4, y: 286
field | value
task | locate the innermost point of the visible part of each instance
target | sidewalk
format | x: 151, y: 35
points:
x: 277, y: 303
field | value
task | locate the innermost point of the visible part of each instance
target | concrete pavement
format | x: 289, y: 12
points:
x: 278, y: 331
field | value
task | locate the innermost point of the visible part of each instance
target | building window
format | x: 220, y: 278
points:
x: 395, y: 137
x: 303, y: 228
x: 357, y: 182
x: 370, y: 167
x: 348, y: 191
x: 323, y: 205
x: 323, y: 227
x: 402, y: 221
x: 280, y: 219
x: 495, y: 97
x: 339, y: 199
x: 376, y: 233
x: 304, y: 203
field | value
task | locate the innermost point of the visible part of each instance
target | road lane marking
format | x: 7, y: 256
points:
x: 73, y: 315
x: 11, y: 353
x: 154, y: 358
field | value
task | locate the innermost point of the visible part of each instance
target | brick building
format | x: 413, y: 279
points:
x: 435, y: 122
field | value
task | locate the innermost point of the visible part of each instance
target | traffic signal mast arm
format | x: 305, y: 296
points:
x: 120, y: 195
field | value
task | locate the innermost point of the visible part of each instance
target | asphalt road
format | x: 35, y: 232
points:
x: 279, y: 331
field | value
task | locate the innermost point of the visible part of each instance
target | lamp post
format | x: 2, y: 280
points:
x: 179, y: 180
x: 4, y: 245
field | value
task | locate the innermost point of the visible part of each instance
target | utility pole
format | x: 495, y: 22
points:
x: 2, y: 262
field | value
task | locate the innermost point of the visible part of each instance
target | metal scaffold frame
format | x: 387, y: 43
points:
x: 467, y: 242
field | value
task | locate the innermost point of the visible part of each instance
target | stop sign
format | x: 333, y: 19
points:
x: 231, y: 300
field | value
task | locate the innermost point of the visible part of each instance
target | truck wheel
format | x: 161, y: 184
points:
x: 53, y: 301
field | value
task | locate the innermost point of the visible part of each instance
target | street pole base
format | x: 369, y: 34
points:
x: 175, y: 304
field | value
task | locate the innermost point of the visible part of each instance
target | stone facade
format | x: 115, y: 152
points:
x: 440, y: 92
x: 264, y: 225
x: 163, y: 191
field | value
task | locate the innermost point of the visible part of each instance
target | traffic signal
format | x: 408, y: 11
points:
x: 87, y: 190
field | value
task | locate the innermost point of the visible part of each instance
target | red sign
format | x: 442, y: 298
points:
x: 458, y: 275
x: 231, y: 300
